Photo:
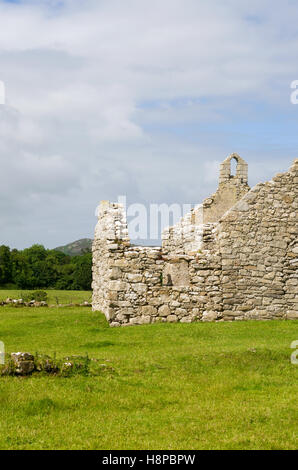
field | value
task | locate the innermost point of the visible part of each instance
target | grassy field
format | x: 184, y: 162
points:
x: 54, y: 296
x: 166, y: 386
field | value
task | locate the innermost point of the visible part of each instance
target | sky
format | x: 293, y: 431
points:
x: 144, y: 99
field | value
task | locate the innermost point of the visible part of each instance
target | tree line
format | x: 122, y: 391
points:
x: 37, y: 267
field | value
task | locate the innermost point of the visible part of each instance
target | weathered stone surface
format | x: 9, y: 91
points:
x: 176, y: 273
x: 134, y: 277
x: 186, y: 320
x: 209, y: 316
x: 292, y: 315
x: 172, y: 318
x: 145, y: 319
x: 164, y: 311
x: 149, y: 310
x: 234, y: 257
x: 24, y: 362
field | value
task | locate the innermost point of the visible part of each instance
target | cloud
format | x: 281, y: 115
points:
x: 140, y: 98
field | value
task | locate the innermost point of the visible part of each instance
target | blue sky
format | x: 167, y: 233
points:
x: 144, y: 99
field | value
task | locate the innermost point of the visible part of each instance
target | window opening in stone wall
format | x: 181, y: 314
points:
x: 234, y: 164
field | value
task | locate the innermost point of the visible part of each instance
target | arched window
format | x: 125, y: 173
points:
x: 234, y: 164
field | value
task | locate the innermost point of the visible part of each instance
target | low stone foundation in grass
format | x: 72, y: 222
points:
x: 35, y: 303
x: 24, y: 364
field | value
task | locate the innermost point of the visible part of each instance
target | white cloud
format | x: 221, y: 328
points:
x: 79, y: 127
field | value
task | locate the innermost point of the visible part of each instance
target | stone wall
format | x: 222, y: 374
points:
x: 257, y: 241
x: 230, y: 190
x: 187, y: 235
x: 242, y: 266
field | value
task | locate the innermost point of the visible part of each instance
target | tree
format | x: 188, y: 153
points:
x: 37, y: 267
x: 82, y: 276
x: 5, y: 265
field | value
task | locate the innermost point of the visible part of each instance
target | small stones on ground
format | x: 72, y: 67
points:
x: 24, y: 363
x: 37, y: 304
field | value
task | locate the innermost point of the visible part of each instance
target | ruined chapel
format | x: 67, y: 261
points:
x: 233, y: 257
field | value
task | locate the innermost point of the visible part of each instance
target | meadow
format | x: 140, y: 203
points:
x: 160, y: 386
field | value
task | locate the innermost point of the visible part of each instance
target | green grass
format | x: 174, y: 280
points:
x: 174, y: 386
x: 63, y: 296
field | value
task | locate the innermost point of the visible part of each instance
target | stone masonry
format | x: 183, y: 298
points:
x: 234, y: 257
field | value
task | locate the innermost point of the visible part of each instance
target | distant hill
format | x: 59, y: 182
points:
x: 78, y: 247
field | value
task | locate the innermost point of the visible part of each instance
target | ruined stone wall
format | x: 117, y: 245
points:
x: 187, y: 235
x: 257, y: 241
x: 110, y: 229
x: 243, y: 266
x: 230, y: 190
x: 135, y: 285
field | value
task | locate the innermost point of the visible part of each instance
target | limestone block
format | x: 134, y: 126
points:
x: 22, y: 356
x: 134, y: 321
x: 24, y: 363
x: 292, y: 315
x: 145, y: 319
x: 140, y: 288
x: 229, y: 313
x: 110, y: 314
x: 149, y: 310
x: 186, y: 320
x: 129, y: 311
x: 120, y: 317
x: 176, y: 274
x: 172, y: 318
x: 164, y: 311
x: 181, y: 312
x: 115, y: 273
x: 117, y: 285
x: 209, y: 316
x: 113, y: 247
x: 134, y: 277
x: 175, y: 304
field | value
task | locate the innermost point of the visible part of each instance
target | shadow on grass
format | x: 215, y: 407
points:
x: 97, y: 345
